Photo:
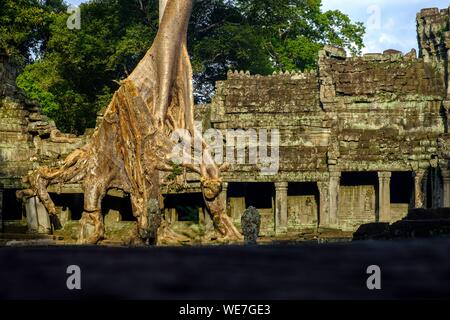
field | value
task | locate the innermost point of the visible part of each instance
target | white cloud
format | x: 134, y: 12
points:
x: 397, y: 28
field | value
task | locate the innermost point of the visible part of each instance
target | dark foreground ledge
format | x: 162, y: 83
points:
x: 418, y: 269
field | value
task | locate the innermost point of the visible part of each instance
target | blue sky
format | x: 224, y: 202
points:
x: 396, y: 26
x: 391, y: 24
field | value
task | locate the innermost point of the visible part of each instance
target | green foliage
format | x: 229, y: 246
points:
x: 24, y: 26
x: 263, y: 36
x: 176, y: 171
x: 77, y: 71
x: 80, y: 68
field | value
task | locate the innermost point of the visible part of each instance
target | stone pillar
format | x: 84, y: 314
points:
x: 334, y: 187
x: 281, y: 212
x: 384, y: 197
x: 224, y: 195
x: 324, y: 214
x: 419, y: 195
x: 30, y: 209
x: 1, y: 209
x: 446, y: 188
x: 37, y: 216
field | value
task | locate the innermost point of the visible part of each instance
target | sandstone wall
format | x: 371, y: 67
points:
x: 288, y: 102
x: 386, y: 110
x: 432, y: 29
x: 370, y: 113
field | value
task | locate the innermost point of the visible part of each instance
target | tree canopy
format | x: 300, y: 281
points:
x: 73, y: 73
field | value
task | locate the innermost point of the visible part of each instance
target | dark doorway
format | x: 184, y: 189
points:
x: 303, y: 189
x: 12, y: 208
x: 258, y: 195
x: 402, y: 187
x: 359, y: 179
x: 187, y: 205
x: 73, y: 201
x: 123, y: 205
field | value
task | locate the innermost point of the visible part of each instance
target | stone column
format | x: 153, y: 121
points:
x: 324, y: 214
x: 224, y: 195
x: 419, y: 195
x: 384, y: 197
x: 281, y: 214
x: 334, y: 187
x: 1, y: 209
x: 37, y: 216
x: 30, y: 209
x: 446, y: 188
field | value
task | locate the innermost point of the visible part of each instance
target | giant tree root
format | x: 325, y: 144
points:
x: 133, y: 143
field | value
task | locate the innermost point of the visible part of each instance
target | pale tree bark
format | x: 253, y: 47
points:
x: 162, y: 8
x: 132, y: 145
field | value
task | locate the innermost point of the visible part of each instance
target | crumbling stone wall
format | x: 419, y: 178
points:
x: 27, y: 138
x: 432, y: 28
x: 288, y: 102
x: 387, y: 110
x: 378, y: 113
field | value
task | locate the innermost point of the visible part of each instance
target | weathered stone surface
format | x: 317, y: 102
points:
x: 302, y: 212
x: 37, y: 217
x: 112, y: 217
x: 251, y: 223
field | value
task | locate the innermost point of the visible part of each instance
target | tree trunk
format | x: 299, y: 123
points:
x: 162, y: 8
x: 132, y: 144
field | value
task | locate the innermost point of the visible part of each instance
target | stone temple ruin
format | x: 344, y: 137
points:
x: 363, y: 139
